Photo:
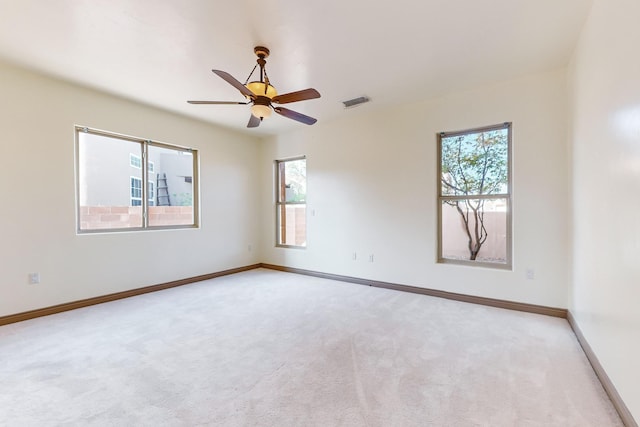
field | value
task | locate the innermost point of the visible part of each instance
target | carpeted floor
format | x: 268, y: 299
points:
x: 266, y: 348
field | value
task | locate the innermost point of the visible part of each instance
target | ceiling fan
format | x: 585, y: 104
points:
x: 261, y: 95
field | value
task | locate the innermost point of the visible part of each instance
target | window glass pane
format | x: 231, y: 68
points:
x: 475, y: 163
x: 292, y: 220
x: 105, y: 182
x: 173, y: 177
x: 475, y: 229
x: 295, y: 180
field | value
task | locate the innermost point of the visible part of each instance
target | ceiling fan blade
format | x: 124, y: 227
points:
x: 254, y: 122
x: 295, y: 115
x: 235, y: 83
x: 218, y: 102
x: 301, y: 95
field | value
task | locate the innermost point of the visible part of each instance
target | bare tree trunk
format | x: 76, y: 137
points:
x: 479, y: 236
x: 465, y: 219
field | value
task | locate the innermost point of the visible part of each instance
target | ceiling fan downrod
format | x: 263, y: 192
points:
x: 262, y: 53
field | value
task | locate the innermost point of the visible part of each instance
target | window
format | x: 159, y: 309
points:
x: 474, y: 209
x: 136, y: 191
x: 152, y: 194
x: 148, y: 192
x: 291, y: 202
x: 135, y: 161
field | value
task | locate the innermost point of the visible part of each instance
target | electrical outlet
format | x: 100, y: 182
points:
x: 249, y: 248
x: 354, y: 256
x: 34, y: 278
x: 371, y: 258
x: 530, y: 274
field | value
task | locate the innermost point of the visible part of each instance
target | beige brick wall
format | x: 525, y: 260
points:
x: 108, y: 217
x: 297, y: 225
x: 455, y: 240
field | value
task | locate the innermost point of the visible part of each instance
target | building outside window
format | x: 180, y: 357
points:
x: 474, y: 212
x: 291, y: 202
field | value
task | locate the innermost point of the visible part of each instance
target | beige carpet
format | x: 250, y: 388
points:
x: 265, y: 348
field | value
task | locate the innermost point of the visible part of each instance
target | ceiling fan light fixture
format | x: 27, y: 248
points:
x: 261, y: 111
x: 262, y: 89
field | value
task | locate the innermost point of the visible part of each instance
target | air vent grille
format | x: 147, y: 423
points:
x: 355, y: 101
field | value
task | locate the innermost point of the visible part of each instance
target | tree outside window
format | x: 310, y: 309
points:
x: 474, y: 195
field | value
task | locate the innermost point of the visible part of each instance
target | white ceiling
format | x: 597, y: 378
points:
x: 161, y: 52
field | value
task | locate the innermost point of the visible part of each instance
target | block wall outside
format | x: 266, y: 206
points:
x: 109, y: 217
x: 296, y: 225
x: 455, y: 240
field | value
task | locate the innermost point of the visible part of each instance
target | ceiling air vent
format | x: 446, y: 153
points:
x: 355, y: 101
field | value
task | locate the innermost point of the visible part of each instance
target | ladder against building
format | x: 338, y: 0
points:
x: 163, y: 190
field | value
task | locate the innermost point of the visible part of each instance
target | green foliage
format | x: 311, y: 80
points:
x: 296, y: 180
x: 475, y: 164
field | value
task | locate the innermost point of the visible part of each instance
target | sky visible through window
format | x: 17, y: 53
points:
x: 475, y: 163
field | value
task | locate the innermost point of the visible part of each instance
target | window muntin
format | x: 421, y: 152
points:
x: 291, y: 205
x: 474, y: 214
x: 113, y: 195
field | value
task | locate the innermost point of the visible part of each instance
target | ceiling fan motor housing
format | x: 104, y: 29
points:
x: 261, y: 51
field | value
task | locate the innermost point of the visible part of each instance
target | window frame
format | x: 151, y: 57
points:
x: 280, y: 205
x: 508, y: 196
x: 144, y: 145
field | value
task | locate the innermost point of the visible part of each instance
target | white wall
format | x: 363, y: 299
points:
x: 372, y: 184
x: 37, y: 231
x: 605, y: 279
